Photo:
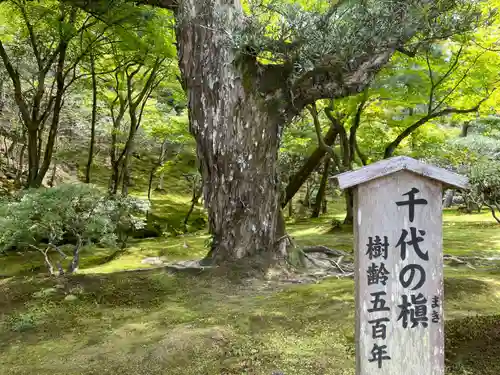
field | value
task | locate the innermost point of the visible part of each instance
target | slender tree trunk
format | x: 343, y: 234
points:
x: 197, y: 192
x: 48, y: 263
x: 75, y: 261
x: 10, y: 151
x: 161, y: 181
x: 298, y: 179
x: 347, y: 156
x: 135, y: 109
x: 493, y: 208
x: 41, y: 130
x: 349, y: 201
x: 465, y: 129
x: 124, y: 176
x: 150, y: 181
x: 21, y: 163
x: 290, y: 208
x: 237, y: 136
x: 113, y: 181
x: 448, y: 198
x: 6, y: 150
x: 93, y: 119
x: 158, y: 164
x: 114, y: 157
x: 53, y: 176
x: 320, y: 196
x: 33, y: 161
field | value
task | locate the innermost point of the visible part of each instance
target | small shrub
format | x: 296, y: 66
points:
x: 80, y: 214
x: 485, y: 185
x: 22, y: 322
x: 335, y: 225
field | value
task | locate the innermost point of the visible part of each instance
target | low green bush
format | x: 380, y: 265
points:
x: 79, y: 214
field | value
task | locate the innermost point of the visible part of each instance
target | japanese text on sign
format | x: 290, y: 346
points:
x: 412, y: 308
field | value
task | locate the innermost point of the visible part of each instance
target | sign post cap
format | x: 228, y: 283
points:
x: 400, y: 163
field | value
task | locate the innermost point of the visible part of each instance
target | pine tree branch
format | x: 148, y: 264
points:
x: 99, y: 6
x: 333, y: 81
x: 166, y: 4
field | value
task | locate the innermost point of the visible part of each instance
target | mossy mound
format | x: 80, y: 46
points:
x: 473, y: 345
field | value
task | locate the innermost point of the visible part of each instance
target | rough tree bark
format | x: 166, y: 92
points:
x: 236, y: 131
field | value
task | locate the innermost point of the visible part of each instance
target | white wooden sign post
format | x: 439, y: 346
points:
x: 399, y: 265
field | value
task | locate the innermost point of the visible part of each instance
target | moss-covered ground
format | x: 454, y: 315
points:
x: 107, y: 321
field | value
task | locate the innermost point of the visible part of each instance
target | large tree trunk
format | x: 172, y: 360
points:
x: 237, y: 135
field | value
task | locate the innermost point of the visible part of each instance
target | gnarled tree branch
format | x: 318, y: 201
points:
x: 166, y: 4
x: 334, y: 81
